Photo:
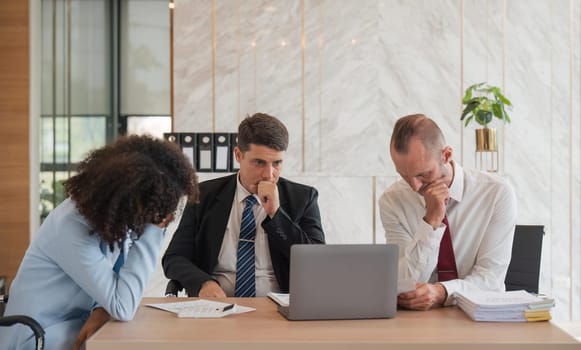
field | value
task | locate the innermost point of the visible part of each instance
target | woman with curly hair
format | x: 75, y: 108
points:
x: 95, y: 253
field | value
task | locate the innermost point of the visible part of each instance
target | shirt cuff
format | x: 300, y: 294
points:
x: 427, y: 233
x: 451, y: 287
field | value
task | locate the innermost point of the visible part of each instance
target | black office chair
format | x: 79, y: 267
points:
x: 36, y: 328
x: 525, y: 263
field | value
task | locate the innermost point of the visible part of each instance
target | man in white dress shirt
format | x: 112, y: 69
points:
x: 480, y: 209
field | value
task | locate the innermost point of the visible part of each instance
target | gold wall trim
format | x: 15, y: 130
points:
x: 238, y: 50
x: 503, y: 125
x: 374, y: 208
x: 303, y: 122
x: 171, y: 6
x: 213, y: 65
x: 571, y: 236
x: 461, y: 77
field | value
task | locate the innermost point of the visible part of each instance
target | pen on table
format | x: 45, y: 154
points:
x: 228, y: 307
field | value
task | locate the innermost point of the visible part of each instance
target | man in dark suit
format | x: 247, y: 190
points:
x: 203, y: 254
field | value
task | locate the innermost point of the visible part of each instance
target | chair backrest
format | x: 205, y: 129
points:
x: 3, y: 301
x: 525, y: 263
x: 173, y: 288
x: 3, y: 296
x: 35, y: 327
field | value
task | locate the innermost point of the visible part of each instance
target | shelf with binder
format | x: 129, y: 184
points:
x: 208, y: 152
x: 221, y: 152
x: 205, y: 152
x: 188, y: 145
x: 172, y: 137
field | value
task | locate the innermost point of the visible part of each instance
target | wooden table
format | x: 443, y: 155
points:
x: 446, y: 328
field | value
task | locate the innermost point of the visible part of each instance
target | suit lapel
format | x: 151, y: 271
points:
x: 282, y: 198
x: 218, y: 218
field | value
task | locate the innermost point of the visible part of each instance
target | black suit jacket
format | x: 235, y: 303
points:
x: 193, y: 251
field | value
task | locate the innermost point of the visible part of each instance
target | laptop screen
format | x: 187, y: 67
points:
x: 346, y: 281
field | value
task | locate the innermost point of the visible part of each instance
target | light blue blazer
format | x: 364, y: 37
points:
x: 66, y: 272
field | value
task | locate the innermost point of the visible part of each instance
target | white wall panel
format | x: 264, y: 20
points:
x: 363, y: 65
x: 192, y: 75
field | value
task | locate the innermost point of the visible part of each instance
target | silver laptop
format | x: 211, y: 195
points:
x: 330, y: 282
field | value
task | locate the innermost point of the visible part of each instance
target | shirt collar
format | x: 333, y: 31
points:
x: 457, y: 186
x: 241, y: 192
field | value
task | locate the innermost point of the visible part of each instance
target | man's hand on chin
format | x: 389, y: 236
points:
x: 268, y: 194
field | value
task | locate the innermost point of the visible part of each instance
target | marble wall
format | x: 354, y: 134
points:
x: 339, y: 73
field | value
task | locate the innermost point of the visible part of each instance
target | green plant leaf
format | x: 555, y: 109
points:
x: 492, y: 90
x: 483, y: 117
x: 486, y: 104
x: 503, y: 99
x: 497, y: 111
x: 468, y: 120
x: 475, y: 86
x: 483, y: 103
x: 469, y: 108
x: 467, y: 96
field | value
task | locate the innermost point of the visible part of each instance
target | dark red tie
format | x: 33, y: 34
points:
x: 446, y: 260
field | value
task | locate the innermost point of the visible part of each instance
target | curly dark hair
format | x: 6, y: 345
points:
x: 132, y: 182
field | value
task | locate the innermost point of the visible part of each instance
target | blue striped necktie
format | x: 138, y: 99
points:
x: 245, y: 274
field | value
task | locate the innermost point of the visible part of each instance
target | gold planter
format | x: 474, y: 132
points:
x: 486, y: 149
x: 486, y: 140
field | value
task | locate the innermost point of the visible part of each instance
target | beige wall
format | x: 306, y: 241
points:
x: 14, y: 134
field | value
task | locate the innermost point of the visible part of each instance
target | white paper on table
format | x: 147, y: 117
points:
x: 281, y: 299
x: 202, y: 308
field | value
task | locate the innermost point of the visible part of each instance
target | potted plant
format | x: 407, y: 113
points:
x: 483, y: 102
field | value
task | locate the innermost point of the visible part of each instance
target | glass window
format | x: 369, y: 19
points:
x: 90, y: 67
x: 105, y: 71
x: 51, y: 190
x: 144, y: 58
x: 87, y: 133
x: 79, y: 56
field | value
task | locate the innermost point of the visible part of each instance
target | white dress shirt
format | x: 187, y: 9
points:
x: 482, y: 216
x: 225, y: 271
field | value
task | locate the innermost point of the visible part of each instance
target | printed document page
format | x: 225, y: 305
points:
x: 202, y: 308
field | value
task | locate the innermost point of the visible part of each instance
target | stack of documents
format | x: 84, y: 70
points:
x: 513, y: 306
x: 540, y: 311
